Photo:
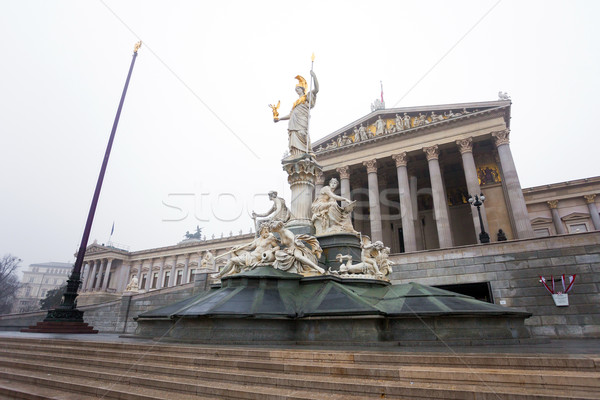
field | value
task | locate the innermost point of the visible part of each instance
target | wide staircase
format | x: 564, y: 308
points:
x: 87, y: 369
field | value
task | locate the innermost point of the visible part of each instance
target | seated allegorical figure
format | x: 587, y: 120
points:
x: 250, y: 255
x: 329, y: 217
x: 299, y: 253
x: 132, y: 286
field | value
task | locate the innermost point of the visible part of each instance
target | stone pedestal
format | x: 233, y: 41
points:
x: 302, y: 172
x: 338, y: 243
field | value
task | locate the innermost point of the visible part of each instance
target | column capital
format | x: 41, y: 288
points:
x: 590, y: 198
x: 465, y: 145
x: 319, y: 178
x: 432, y: 152
x: 501, y: 137
x: 344, y: 172
x: 553, y: 204
x: 371, y: 166
x: 401, y: 159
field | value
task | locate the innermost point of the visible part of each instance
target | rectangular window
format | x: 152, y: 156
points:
x: 179, y: 277
x: 541, y: 232
x: 143, y: 284
x: 577, y: 228
x: 154, y: 280
x: 167, y: 277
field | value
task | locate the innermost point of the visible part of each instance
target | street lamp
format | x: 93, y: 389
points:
x: 478, y: 202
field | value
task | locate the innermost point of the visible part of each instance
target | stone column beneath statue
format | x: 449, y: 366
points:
x: 591, y: 202
x: 374, y: 206
x: 513, y: 186
x: 439, y: 199
x: 344, y: 183
x: 465, y: 146
x: 558, y: 225
x: 302, y: 174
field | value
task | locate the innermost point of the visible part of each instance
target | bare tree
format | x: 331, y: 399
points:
x: 9, y: 283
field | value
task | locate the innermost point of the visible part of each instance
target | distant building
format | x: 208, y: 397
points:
x: 37, y: 281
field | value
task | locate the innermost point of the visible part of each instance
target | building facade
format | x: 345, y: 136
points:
x: 411, y: 172
x: 37, y: 280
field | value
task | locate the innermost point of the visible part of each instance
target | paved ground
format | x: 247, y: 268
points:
x: 558, y: 347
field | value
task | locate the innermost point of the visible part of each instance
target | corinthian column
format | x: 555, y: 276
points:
x: 553, y: 204
x: 160, y: 283
x: 465, y: 146
x: 406, y: 209
x: 513, y: 187
x: 439, y: 199
x: 100, y: 275
x: 344, y: 183
x: 107, y: 274
x: 374, y: 206
x: 90, y: 280
x: 591, y: 202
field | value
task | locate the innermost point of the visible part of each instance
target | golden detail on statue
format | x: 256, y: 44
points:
x: 275, y: 112
x: 137, y: 46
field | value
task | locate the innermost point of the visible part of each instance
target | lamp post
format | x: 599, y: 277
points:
x: 478, y: 202
x: 66, y: 318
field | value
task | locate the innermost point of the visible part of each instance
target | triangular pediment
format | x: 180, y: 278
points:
x: 387, y: 123
x: 541, y: 221
x: 576, y: 216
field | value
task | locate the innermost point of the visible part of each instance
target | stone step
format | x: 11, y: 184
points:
x: 240, y: 371
x: 262, y: 383
x: 179, y: 353
x: 98, y: 377
x: 60, y: 327
x: 13, y: 390
x: 66, y: 388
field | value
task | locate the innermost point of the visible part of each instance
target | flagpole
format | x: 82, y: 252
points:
x: 312, y: 63
x: 67, y: 311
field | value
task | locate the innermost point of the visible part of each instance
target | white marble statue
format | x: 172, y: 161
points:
x: 399, y: 123
x: 327, y: 216
x: 299, y: 140
x: 208, y: 261
x: 450, y: 114
x: 503, y: 96
x: 436, y: 117
x: 133, y: 285
x: 374, y: 262
x: 277, y: 212
x: 362, y: 132
x: 406, y: 121
x: 299, y: 253
x: 250, y: 255
x: 346, y: 140
x: 379, y: 126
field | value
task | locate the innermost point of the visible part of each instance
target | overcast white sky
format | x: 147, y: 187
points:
x: 196, y: 132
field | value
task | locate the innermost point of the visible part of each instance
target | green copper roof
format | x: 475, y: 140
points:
x: 269, y: 293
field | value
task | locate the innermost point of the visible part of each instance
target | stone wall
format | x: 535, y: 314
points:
x: 513, y: 269
x: 116, y: 316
